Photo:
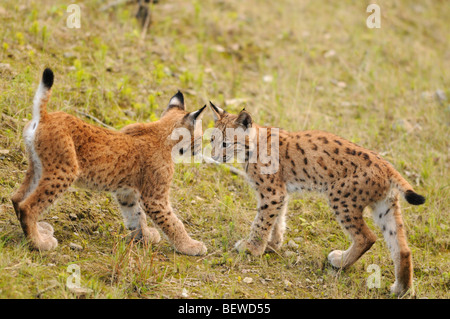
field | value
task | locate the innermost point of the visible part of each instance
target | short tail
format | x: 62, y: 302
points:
x: 410, y: 195
x: 43, y: 95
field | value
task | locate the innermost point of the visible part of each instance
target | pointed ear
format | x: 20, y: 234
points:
x: 193, y: 116
x: 217, y: 111
x: 177, y: 101
x: 244, y: 120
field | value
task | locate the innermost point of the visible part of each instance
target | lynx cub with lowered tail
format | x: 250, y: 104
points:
x: 350, y: 176
x: 135, y: 164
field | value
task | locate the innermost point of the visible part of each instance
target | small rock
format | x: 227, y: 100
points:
x: 80, y: 291
x: 248, y: 280
x: 219, y: 48
x: 236, y: 101
x: 340, y: 84
x: 267, y: 78
x: 440, y: 95
x: 75, y: 246
x: 329, y: 54
x: 426, y: 95
x: 319, y: 88
x: 69, y: 55
x: 167, y: 71
x: 403, y: 124
x: 235, y: 47
x: 292, y: 244
x: 5, y: 67
x: 289, y: 253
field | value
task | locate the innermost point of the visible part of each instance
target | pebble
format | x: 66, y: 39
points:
x: 5, y: 67
x: 329, y: 54
x: 80, y: 291
x: 289, y: 253
x: 292, y: 244
x: 440, y: 95
x: 75, y: 246
x: 267, y: 78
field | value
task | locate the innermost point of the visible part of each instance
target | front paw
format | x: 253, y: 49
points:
x: 193, y: 248
x: 45, y: 229
x: 147, y: 235
x: 247, y: 247
x: 400, y: 290
x: 44, y: 241
x: 336, y: 259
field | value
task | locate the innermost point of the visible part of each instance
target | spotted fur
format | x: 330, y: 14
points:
x: 135, y: 164
x: 351, y: 177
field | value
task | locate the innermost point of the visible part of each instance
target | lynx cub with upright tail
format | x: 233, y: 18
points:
x: 350, y: 176
x: 135, y: 164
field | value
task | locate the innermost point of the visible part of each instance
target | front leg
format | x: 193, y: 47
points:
x: 270, y: 209
x: 277, y: 234
x: 134, y: 219
x: 160, y: 211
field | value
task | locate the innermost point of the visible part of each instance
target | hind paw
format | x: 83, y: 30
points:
x: 336, y: 258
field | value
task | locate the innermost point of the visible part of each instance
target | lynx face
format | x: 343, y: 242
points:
x: 233, y: 137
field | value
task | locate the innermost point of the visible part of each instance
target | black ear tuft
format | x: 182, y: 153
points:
x: 47, y: 78
x: 177, y: 101
x: 197, y: 113
x: 217, y: 111
x: 179, y: 96
x: 192, y: 117
x: 414, y: 198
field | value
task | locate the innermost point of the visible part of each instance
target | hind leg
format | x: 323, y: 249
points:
x: 362, y: 238
x: 29, y: 182
x: 387, y: 215
x: 57, y: 173
x: 40, y: 234
x: 134, y: 219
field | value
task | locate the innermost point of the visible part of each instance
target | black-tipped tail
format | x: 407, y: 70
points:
x: 414, y: 198
x: 47, y: 78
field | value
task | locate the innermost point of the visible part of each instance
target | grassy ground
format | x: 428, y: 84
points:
x: 293, y: 64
